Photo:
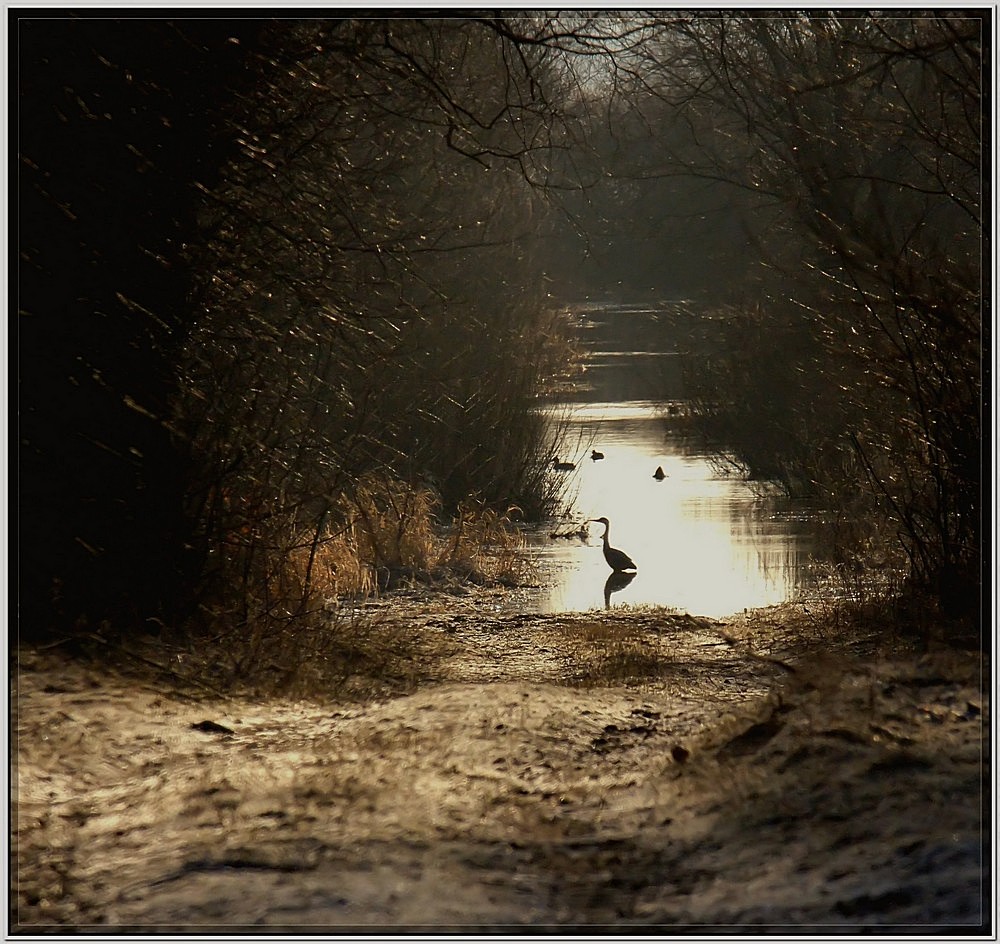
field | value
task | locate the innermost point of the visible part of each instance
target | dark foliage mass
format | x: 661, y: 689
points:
x: 368, y: 301
x: 849, y: 362
x: 116, y: 119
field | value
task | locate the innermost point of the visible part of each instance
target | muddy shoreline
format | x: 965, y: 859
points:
x: 644, y: 771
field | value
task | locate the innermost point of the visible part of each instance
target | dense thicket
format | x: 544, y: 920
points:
x: 369, y: 301
x: 851, y: 363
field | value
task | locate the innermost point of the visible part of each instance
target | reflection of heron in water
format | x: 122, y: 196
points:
x: 617, y: 580
x: 617, y: 560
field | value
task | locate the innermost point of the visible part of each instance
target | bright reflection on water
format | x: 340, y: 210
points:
x: 703, y: 543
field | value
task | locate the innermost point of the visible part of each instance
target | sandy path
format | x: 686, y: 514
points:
x: 514, y: 789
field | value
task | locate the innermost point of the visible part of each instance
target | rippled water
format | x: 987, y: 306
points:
x: 704, y: 542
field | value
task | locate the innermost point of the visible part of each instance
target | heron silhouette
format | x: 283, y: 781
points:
x: 617, y: 560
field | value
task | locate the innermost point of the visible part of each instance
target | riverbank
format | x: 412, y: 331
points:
x: 632, y: 769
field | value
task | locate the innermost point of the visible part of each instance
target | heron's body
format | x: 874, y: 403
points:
x: 617, y: 560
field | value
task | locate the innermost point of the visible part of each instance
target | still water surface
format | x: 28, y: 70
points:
x: 704, y: 542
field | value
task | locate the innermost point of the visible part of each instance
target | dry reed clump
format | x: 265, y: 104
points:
x: 385, y: 533
x: 485, y: 544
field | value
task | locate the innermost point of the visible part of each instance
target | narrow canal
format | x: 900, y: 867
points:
x: 704, y: 541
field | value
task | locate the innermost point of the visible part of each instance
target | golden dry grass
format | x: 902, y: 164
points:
x: 386, y: 532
